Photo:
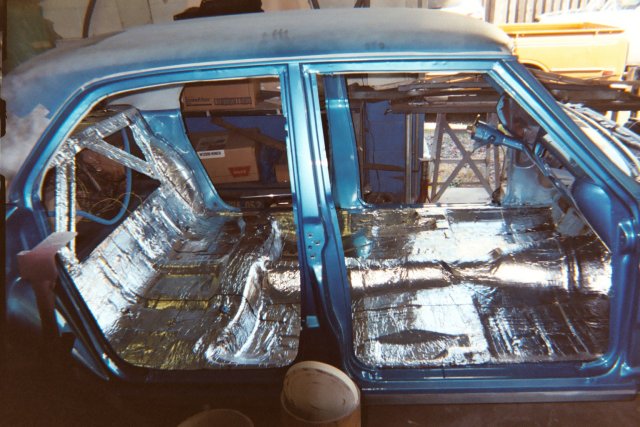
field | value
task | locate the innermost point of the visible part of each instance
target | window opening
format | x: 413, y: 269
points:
x: 238, y: 130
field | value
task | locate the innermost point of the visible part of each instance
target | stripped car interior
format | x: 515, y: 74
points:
x: 352, y: 207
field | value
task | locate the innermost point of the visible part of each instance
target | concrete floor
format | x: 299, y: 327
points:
x: 31, y: 395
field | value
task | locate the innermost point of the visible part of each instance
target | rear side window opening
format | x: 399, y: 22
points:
x: 175, y: 282
x: 237, y: 128
x: 476, y: 251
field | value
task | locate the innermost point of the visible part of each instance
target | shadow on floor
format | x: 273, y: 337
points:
x: 32, y: 396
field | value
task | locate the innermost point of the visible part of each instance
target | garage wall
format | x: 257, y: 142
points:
x: 115, y: 15
x: 516, y: 11
x: 110, y: 16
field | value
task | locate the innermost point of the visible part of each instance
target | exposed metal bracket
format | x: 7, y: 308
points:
x: 91, y: 138
x: 627, y: 236
x: 437, y: 189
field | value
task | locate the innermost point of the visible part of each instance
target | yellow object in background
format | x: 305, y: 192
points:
x: 584, y: 50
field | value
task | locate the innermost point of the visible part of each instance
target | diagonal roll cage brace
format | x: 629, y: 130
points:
x: 92, y: 138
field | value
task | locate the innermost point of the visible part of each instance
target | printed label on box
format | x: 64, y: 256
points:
x: 239, y: 171
x: 211, y: 154
x: 245, y: 100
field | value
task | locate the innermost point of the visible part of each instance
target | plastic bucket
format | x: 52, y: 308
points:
x: 218, y: 417
x: 317, y: 394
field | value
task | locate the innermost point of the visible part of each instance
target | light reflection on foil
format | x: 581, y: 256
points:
x: 454, y: 287
x: 217, y: 295
x: 178, y: 287
x: 175, y: 286
x: 226, y: 292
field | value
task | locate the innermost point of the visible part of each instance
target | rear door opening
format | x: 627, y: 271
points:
x: 459, y: 254
x: 194, y: 265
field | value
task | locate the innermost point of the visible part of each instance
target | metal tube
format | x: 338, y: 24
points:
x: 62, y: 208
x: 408, y: 162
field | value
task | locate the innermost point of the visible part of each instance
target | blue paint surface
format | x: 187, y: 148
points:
x: 267, y: 37
x: 69, y: 83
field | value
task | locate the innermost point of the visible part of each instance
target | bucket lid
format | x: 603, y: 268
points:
x: 315, y: 391
x: 218, y: 417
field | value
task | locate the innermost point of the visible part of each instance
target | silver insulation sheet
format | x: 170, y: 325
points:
x: 174, y: 291
x: 451, y: 287
x: 176, y: 286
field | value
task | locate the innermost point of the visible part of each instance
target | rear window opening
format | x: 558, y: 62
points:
x: 182, y: 281
x: 237, y: 128
x: 459, y: 253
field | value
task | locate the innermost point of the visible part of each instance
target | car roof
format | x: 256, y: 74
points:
x: 51, y: 78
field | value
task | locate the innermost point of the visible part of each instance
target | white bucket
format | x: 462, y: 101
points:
x: 317, y: 394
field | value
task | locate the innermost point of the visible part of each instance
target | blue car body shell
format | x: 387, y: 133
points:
x: 297, y: 46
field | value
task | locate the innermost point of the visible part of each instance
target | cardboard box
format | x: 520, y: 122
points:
x: 282, y: 173
x: 220, y: 96
x: 227, y: 157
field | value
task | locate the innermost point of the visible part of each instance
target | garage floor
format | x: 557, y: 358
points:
x: 32, y: 396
